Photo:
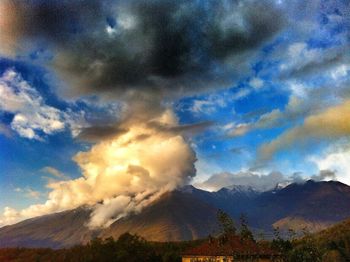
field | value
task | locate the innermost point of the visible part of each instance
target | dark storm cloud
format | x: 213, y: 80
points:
x: 183, y: 129
x: 97, y: 133
x: 171, y: 46
x: 54, y: 20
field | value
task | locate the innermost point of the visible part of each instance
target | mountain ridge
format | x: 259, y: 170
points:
x: 190, y: 213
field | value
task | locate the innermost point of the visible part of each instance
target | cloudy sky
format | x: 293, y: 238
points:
x: 116, y: 102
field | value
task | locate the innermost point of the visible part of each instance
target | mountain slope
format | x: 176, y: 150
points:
x: 175, y: 216
x: 332, y: 244
x: 54, y: 230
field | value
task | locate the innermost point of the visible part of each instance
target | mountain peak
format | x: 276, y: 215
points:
x: 242, y: 188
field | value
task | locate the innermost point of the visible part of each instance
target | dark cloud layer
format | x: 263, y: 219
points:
x: 183, y: 129
x: 172, y: 46
x: 97, y: 133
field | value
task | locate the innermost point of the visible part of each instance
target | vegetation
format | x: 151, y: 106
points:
x: 127, y: 248
x: 226, y: 223
x: 245, y: 232
x: 332, y: 245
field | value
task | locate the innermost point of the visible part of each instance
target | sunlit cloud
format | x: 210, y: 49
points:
x: 123, y: 174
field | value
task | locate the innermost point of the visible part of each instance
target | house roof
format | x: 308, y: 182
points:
x: 232, y: 245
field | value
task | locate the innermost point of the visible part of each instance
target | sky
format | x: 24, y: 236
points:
x: 112, y: 103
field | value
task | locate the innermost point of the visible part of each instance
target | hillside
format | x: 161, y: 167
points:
x: 54, y: 230
x: 175, y: 216
x: 336, y: 234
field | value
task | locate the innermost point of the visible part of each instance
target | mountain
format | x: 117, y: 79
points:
x: 54, y: 230
x: 175, y: 216
x: 234, y: 199
x: 190, y: 213
x: 321, y: 203
x: 314, y: 205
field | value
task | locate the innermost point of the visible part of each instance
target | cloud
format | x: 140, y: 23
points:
x: 31, y: 115
x: 304, y: 61
x: 304, y: 100
x: 185, y: 129
x: 316, y: 56
x: 238, y: 130
x: 32, y: 193
x: 28, y: 192
x: 324, y: 175
x: 55, y: 177
x: 327, y: 125
x: 116, y: 47
x: 264, y: 182
x: 336, y: 161
x: 267, y: 120
x: 122, y: 174
x: 208, y: 105
x: 260, y: 182
x: 256, y: 83
x: 97, y: 133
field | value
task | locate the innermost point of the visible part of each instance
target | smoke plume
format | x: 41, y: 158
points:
x: 122, y: 174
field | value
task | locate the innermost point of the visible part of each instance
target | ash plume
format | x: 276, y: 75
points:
x: 141, y: 53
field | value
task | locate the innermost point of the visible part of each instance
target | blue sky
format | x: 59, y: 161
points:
x: 277, y: 102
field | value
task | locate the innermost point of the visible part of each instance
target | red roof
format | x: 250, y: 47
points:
x: 232, y: 245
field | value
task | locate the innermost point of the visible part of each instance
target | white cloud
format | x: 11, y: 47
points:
x: 338, y: 161
x: 238, y: 129
x: 208, y: 105
x: 124, y: 174
x: 340, y: 71
x: 32, y: 116
x: 298, y: 89
x: 28, y: 192
x: 261, y: 182
x: 256, y: 83
x: 299, y: 55
x: 242, y: 93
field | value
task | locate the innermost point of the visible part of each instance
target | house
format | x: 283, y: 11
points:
x: 231, y: 249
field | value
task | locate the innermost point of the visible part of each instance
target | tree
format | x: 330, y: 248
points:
x: 226, y: 223
x: 306, y: 252
x: 245, y: 232
x: 282, y: 245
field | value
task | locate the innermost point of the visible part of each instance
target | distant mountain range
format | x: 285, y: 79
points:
x: 190, y: 213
